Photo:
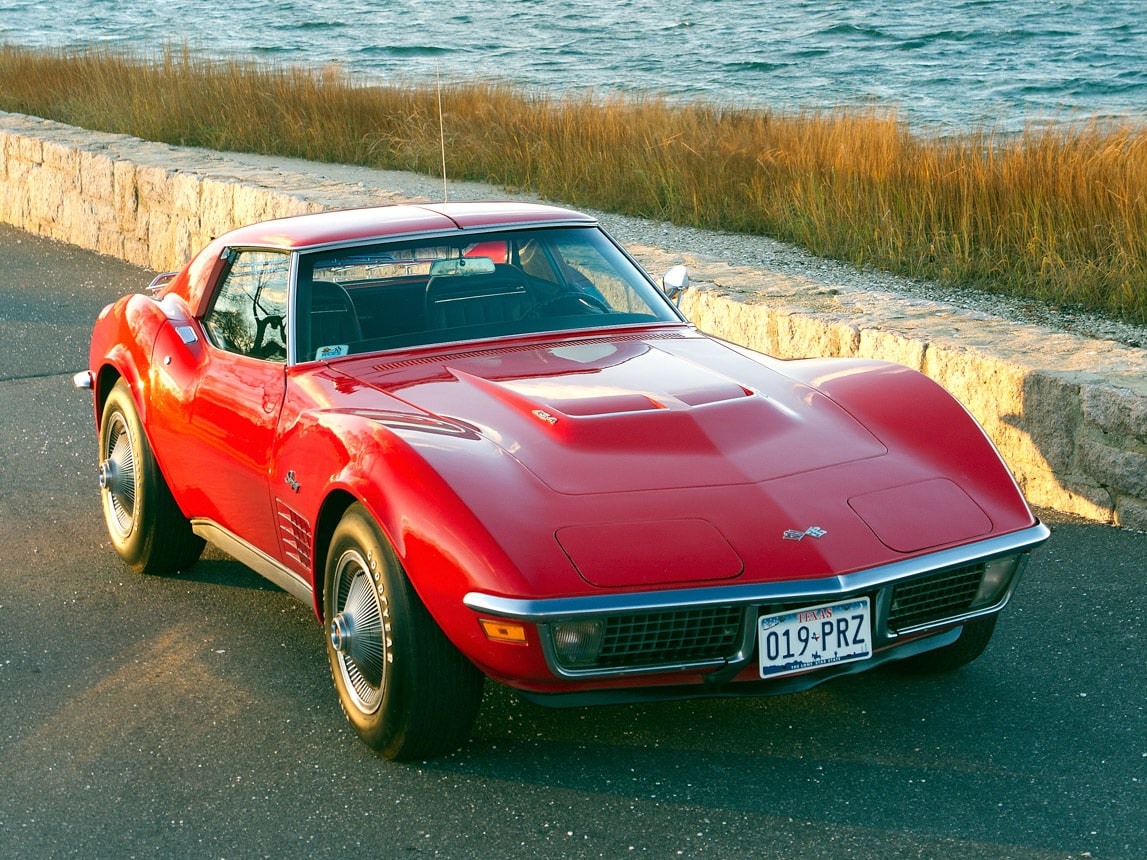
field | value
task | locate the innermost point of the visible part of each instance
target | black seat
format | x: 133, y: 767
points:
x: 462, y: 300
x: 333, y: 317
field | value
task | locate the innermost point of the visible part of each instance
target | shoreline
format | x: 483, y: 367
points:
x: 1054, y: 215
x: 1067, y: 412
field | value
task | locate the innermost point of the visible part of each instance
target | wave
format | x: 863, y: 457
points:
x: 952, y: 64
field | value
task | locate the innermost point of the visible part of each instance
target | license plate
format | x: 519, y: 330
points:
x: 803, y: 639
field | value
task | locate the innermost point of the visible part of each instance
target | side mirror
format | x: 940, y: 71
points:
x: 675, y: 282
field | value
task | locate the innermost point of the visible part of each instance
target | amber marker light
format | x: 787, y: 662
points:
x: 503, y: 631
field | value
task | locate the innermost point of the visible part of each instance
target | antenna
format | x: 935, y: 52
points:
x: 441, y: 134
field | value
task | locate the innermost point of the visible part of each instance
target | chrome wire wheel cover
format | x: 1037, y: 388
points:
x: 118, y: 477
x: 358, y: 633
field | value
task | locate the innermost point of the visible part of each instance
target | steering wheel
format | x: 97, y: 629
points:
x: 580, y: 303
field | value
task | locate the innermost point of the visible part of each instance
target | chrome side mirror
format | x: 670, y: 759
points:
x: 675, y: 282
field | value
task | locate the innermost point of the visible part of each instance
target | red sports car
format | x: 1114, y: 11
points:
x: 481, y: 441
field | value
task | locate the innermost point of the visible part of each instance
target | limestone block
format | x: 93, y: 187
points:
x: 730, y: 319
x: 97, y: 176
x: 30, y: 149
x: 154, y: 188
x: 1123, y: 471
x: 47, y: 191
x: 1131, y: 514
x: 804, y: 336
x: 183, y: 244
x: 1089, y: 501
x: 61, y: 158
x: 1115, y: 410
x: 216, y: 207
x: 1052, y: 414
x: 79, y: 222
x: 185, y: 195
x: 891, y: 346
x: 13, y: 203
x: 993, y: 391
x: 250, y: 205
x: 20, y: 171
x: 135, y: 250
x: 845, y: 340
x: 161, y: 253
x: 125, y: 195
x: 111, y: 241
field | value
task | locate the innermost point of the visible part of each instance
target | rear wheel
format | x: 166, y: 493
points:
x: 406, y: 690
x: 973, y: 640
x: 145, y: 524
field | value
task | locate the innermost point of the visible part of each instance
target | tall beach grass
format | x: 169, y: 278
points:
x: 1057, y: 213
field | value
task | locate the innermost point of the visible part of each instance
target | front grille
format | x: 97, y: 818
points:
x: 935, y: 597
x: 667, y: 638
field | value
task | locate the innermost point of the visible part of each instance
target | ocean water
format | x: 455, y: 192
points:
x: 952, y: 64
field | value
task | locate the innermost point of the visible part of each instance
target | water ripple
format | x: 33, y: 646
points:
x: 942, y: 62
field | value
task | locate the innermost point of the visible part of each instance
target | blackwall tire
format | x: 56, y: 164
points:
x: 143, y: 521
x: 406, y: 690
x: 973, y: 640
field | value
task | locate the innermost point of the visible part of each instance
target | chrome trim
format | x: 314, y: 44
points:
x: 187, y: 334
x: 254, y: 558
x: 422, y: 235
x: 85, y: 380
x: 756, y: 597
x: 160, y: 281
x: 551, y: 609
x: 716, y: 684
x: 292, y: 320
x: 739, y: 658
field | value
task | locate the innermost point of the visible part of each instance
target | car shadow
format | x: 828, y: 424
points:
x: 215, y: 567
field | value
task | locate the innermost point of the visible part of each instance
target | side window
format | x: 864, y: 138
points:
x: 249, y: 314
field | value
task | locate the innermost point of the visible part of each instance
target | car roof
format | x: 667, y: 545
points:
x: 352, y: 225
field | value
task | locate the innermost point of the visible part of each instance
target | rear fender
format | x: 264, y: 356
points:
x: 121, y: 345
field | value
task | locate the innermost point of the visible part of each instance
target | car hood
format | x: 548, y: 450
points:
x: 609, y: 415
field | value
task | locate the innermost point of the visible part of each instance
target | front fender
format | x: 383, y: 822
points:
x: 914, y: 415
x: 415, y: 475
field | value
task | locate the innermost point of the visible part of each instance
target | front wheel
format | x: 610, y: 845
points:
x: 145, y: 524
x: 406, y: 690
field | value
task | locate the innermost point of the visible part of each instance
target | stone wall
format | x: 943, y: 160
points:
x: 1069, y: 414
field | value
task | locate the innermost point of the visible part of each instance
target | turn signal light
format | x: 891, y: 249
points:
x: 503, y: 631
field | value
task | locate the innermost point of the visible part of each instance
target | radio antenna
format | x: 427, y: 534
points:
x: 441, y: 134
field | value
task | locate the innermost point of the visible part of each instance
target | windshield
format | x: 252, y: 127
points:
x: 466, y: 287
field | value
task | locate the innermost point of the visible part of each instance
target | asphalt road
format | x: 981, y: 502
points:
x: 195, y: 717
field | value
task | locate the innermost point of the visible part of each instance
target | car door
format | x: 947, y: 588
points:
x: 239, y: 395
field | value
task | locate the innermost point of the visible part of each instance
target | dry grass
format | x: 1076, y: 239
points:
x: 1058, y: 214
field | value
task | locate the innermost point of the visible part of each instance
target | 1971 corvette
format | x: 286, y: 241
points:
x: 481, y: 441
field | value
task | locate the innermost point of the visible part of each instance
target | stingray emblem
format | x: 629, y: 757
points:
x: 811, y: 531
x: 545, y: 416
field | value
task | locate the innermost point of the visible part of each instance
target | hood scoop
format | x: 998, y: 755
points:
x: 586, y: 397
x: 604, y: 417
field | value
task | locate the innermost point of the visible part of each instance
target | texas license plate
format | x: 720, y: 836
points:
x: 803, y: 639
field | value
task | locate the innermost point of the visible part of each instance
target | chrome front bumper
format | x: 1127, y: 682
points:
x: 751, y: 600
